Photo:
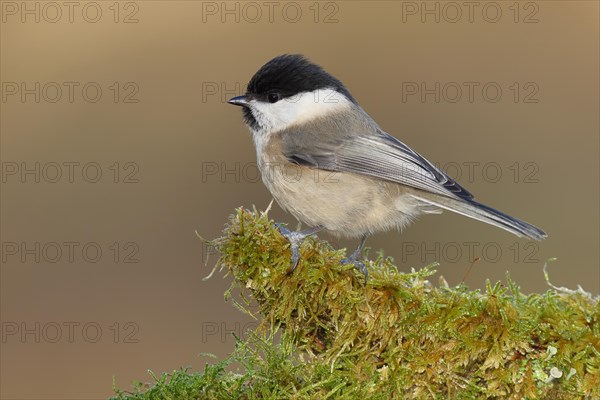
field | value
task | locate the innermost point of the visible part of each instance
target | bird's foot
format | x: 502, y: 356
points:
x: 295, y: 238
x: 355, y: 258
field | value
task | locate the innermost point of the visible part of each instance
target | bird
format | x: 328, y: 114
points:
x: 331, y: 166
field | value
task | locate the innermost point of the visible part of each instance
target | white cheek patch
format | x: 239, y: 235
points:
x: 298, y: 109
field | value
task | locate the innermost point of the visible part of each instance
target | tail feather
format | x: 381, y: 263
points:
x: 481, y: 212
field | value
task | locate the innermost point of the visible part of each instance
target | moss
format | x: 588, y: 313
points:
x: 325, y: 333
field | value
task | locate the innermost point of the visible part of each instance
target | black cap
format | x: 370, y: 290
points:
x: 290, y: 74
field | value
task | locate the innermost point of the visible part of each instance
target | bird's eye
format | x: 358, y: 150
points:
x: 273, y: 97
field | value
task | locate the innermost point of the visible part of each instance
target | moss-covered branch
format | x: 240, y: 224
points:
x: 397, y: 336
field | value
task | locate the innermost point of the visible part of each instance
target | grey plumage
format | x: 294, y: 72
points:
x: 329, y: 164
x: 352, y: 143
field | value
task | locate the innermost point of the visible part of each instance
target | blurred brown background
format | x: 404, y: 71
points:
x: 101, y: 193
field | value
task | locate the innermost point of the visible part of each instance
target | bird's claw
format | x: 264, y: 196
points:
x: 355, y: 260
x: 295, y: 239
x: 285, y: 232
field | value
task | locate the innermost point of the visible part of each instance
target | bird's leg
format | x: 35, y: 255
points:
x: 295, y: 238
x: 355, y: 258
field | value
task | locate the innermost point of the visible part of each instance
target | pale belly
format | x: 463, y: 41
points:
x: 347, y: 205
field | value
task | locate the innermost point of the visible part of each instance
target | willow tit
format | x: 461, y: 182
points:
x: 329, y: 164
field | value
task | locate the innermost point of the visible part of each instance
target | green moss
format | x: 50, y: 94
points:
x: 326, y: 334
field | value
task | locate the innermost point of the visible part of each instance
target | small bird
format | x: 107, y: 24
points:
x: 329, y: 164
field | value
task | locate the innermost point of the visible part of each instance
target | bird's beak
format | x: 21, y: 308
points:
x: 238, y: 101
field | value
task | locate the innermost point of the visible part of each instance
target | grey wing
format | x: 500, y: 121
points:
x: 379, y: 155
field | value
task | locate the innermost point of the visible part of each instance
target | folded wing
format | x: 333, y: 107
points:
x: 378, y: 155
